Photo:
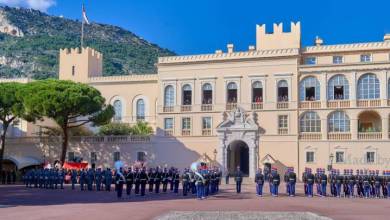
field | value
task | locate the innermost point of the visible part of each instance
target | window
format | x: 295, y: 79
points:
x: 169, y: 96
x: 310, y: 60
x: 71, y: 156
x: 232, y: 92
x: 187, y: 95
x: 206, y: 123
x: 338, y: 122
x: 140, y: 109
x: 309, y: 89
x: 309, y: 157
x: 186, y: 123
x: 365, y: 58
x: 339, y: 157
x: 117, y: 156
x: 207, y: 96
x: 370, y: 157
x: 368, y: 87
x: 93, y: 157
x: 118, y: 110
x: 168, y: 123
x: 73, y: 70
x: 141, y: 156
x: 337, y: 59
x: 388, y: 89
x: 283, y: 121
x: 282, y: 91
x: 310, y: 122
x: 257, y: 92
x: 338, y: 88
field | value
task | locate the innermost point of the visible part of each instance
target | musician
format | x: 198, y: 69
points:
x: 137, y: 181
x: 176, y: 180
x: 143, y: 180
x: 157, y: 180
x: 164, y: 177
x: 185, y: 181
x: 151, y: 175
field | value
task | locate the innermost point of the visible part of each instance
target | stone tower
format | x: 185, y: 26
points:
x: 79, y: 64
x: 278, y: 39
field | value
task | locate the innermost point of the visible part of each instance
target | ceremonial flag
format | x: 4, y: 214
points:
x: 85, y: 18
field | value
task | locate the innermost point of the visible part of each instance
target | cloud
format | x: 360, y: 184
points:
x: 41, y: 5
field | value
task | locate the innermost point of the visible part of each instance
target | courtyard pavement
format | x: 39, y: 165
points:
x: 18, y: 202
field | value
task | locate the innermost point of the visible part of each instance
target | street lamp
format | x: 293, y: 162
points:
x: 331, y: 156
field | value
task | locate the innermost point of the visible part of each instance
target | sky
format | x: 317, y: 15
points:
x: 203, y: 26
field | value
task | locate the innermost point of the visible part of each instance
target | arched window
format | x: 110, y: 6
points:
x: 187, y: 95
x: 338, y: 121
x: 309, y: 89
x: 257, y: 92
x: 232, y: 92
x: 310, y: 122
x: 338, y: 88
x: 368, y: 87
x: 282, y: 91
x: 140, y: 109
x: 118, y: 110
x: 207, y: 94
x: 169, y: 96
x: 388, y: 89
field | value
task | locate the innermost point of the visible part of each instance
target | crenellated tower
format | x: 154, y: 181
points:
x: 278, y: 39
x: 79, y: 64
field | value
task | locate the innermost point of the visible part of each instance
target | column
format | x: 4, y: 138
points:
x: 385, y: 127
x: 221, y: 152
x: 353, y: 91
x: 252, y: 161
x: 323, y: 92
x: 383, y: 85
x: 354, y: 128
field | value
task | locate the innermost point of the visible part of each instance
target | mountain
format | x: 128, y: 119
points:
x: 30, y: 41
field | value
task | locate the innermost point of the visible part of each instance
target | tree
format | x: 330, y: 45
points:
x: 69, y: 104
x: 141, y: 128
x: 115, y: 128
x: 10, y: 108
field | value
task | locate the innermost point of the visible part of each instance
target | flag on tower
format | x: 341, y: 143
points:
x: 85, y: 18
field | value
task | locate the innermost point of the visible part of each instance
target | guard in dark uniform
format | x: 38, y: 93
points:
x: 286, y: 182
x: 151, y: 175
x: 292, y: 180
x: 192, y: 182
x: 157, y: 180
x: 310, y: 183
x: 206, y: 183
x: 170, y: 179
x: 129, y: 181
x: 323, y: 182
x: 185, y: 181
x: 143, y: 180
x: 259, y: 180
x: 98, y: 179
x: 275, y: 181
x: 238, y: 178
x: 119, y: 181
x: 165, y: 179
x: 61, y: 178
x: 73, y: 178
x: 176, y: 181
x: 108, y: 179
x: 137, y: 181
x: 377, y: 184
x: 304, y: 180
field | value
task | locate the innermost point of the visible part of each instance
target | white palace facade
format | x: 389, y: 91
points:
x: 276, y: 104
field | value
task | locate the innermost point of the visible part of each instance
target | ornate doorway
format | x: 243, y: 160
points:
x: 238, y: 141
x: 238, y: 155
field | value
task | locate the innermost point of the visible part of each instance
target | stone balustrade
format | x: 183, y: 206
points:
x: 86, y: 139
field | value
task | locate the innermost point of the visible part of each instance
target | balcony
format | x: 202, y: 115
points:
x: 186, y: 108
x: 310, y: 104
x: 368, y: 103
x: 339, y: 136
x: 257, y: 106
x: 339, y: 104
x: 206, y: 132
x: 168, y: 132
x: 185, y: 132
x: 231, y: 106
x: 310, y: 136
x: 282, y: 105
x: 283, y: 131
x: 206, y: 107
x: 168, y: 109
x: 369, y: 135
x: 388, y: 102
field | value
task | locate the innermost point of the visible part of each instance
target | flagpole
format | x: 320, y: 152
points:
x: 82, y: 27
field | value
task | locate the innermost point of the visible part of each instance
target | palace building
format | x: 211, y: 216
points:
x: 277, y: 104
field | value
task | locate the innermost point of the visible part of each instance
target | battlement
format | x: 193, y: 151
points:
x: 85, y: 50
x: 278, y: 39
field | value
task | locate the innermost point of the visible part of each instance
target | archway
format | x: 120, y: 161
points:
x: 238, y: 155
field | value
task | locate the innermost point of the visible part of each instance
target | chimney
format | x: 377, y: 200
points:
x: 386, y: 38
x: 251, y: 48
x: 230, y: 48
x: 218, y: 52
x: 318, y: 41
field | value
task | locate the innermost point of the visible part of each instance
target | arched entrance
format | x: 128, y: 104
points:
x: 238, y: 155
